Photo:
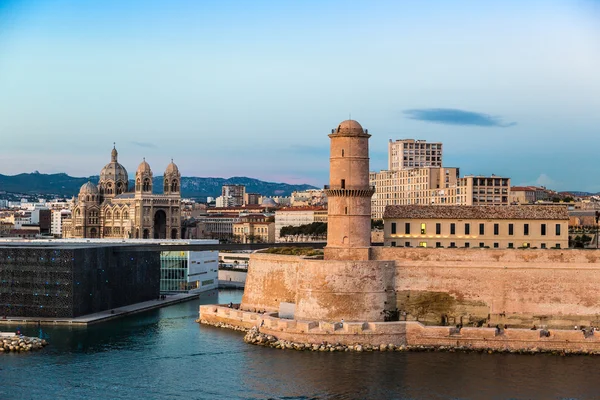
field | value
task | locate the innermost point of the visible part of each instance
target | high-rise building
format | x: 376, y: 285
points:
x: 415, y: 176
x: 235, y: 192
x: 411, y: 153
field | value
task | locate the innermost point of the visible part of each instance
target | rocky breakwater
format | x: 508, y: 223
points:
x: 21, y: 344
x: 254, y: 336
x: 222, y: 325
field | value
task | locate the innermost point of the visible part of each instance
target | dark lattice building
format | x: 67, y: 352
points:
x: 72, y: 280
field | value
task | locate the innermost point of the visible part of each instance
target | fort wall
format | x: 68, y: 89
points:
x: 516, y: 287
x: 271, y: 280
x: 411, y: 334
x: 351, y: 290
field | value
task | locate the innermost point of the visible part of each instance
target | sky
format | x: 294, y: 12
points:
x: 253, y: 88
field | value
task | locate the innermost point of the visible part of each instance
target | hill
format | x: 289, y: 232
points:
x: 195, y: 187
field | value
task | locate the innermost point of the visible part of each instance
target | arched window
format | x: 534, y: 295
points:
x: 125, y: 215
x: 138, y: 185
x: 108, y: 214
x: 117, y: 215
x: 174, y: 186
x: 166, y: 187
x: 147, y: 185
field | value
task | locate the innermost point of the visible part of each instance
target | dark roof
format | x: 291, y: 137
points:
x: 477, y: 212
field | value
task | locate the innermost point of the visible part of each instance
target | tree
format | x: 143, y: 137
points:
x: 376, y: 224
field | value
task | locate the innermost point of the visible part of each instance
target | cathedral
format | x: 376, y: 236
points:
x: 111, y: 210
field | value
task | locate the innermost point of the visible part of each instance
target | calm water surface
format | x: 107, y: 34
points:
x: 164, y: 354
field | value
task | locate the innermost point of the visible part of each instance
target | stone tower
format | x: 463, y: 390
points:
x: 349, y: 194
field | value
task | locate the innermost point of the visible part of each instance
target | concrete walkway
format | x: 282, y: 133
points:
x: 102, y: 316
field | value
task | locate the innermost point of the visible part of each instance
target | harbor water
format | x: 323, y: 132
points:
x: 165, y: 354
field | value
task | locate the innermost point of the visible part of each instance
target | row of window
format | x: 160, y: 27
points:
x: 481, y: 245
x: 467, y: 229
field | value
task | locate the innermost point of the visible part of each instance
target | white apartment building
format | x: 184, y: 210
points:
x: 58, y: 216
x: 411, y: 153
x: 416, y: 177
x: 296, y: 216
x: 310, y: 197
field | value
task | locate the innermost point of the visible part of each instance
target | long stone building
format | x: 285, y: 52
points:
x: 497, y: 227
x: 110, y: 210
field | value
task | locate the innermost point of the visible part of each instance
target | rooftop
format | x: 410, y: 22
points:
x: 477, y: 212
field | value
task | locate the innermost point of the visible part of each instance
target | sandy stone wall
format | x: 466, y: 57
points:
x: 271, y: 279
x: 352, y: 290
x: 517, y: 287
x: 413, y: 334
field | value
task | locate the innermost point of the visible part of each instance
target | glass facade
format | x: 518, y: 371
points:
x: 174, y: 271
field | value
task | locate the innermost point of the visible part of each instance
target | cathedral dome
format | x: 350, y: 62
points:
x: 113, y: 171
x: 144, y: 167
x: 268, y: 202
x: 88, y: 188
x: 172, y: 169
x: 350, y: 127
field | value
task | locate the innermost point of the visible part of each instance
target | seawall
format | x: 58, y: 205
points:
x: 410, y: 334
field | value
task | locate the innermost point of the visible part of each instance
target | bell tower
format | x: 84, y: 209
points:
x: 349, y: 194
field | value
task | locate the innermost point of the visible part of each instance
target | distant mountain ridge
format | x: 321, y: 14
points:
x: 195, y: 187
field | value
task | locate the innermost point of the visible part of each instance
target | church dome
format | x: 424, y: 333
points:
x: 350, y: 127
x: 88, y: 188
x: 172, y: 169
x: 144, y: 167
x: 113, y: 171
x: 268, y: 202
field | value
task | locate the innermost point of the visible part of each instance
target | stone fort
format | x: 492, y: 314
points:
x: 364, y: 285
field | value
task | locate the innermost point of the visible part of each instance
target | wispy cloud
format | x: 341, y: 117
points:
x: 450, y: 116
x: 144, y: 144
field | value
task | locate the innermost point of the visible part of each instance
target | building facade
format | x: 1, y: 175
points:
x: 235, y: 192
x: 110, y: 210
x: 420, y: 179
x: 254, y: 228
x: 502, y: 227
x: 297, y: 216
x: 411, y: 153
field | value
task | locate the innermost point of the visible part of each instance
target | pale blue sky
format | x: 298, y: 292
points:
x: 230, y: 88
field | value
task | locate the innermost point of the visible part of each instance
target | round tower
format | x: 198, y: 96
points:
x: 349, y: 194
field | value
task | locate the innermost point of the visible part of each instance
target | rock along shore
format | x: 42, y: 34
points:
x: 21, y: 344
x: 254, y: 336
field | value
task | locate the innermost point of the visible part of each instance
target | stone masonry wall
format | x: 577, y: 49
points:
x: 412, y: 334
x: 271, y: 279
x: 351, y: 290
x: 518, y: 287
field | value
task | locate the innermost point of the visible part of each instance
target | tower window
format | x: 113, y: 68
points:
x: 342, y: 152
x: 346, y: 210
x: 343, y: 184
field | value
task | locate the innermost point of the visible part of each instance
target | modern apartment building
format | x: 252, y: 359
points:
x: 500, y: 227
x: 411, y: 153
x: 406, y: 183
x: 235, y: 192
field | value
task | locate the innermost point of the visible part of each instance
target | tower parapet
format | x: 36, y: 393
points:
x: 349, y: 193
